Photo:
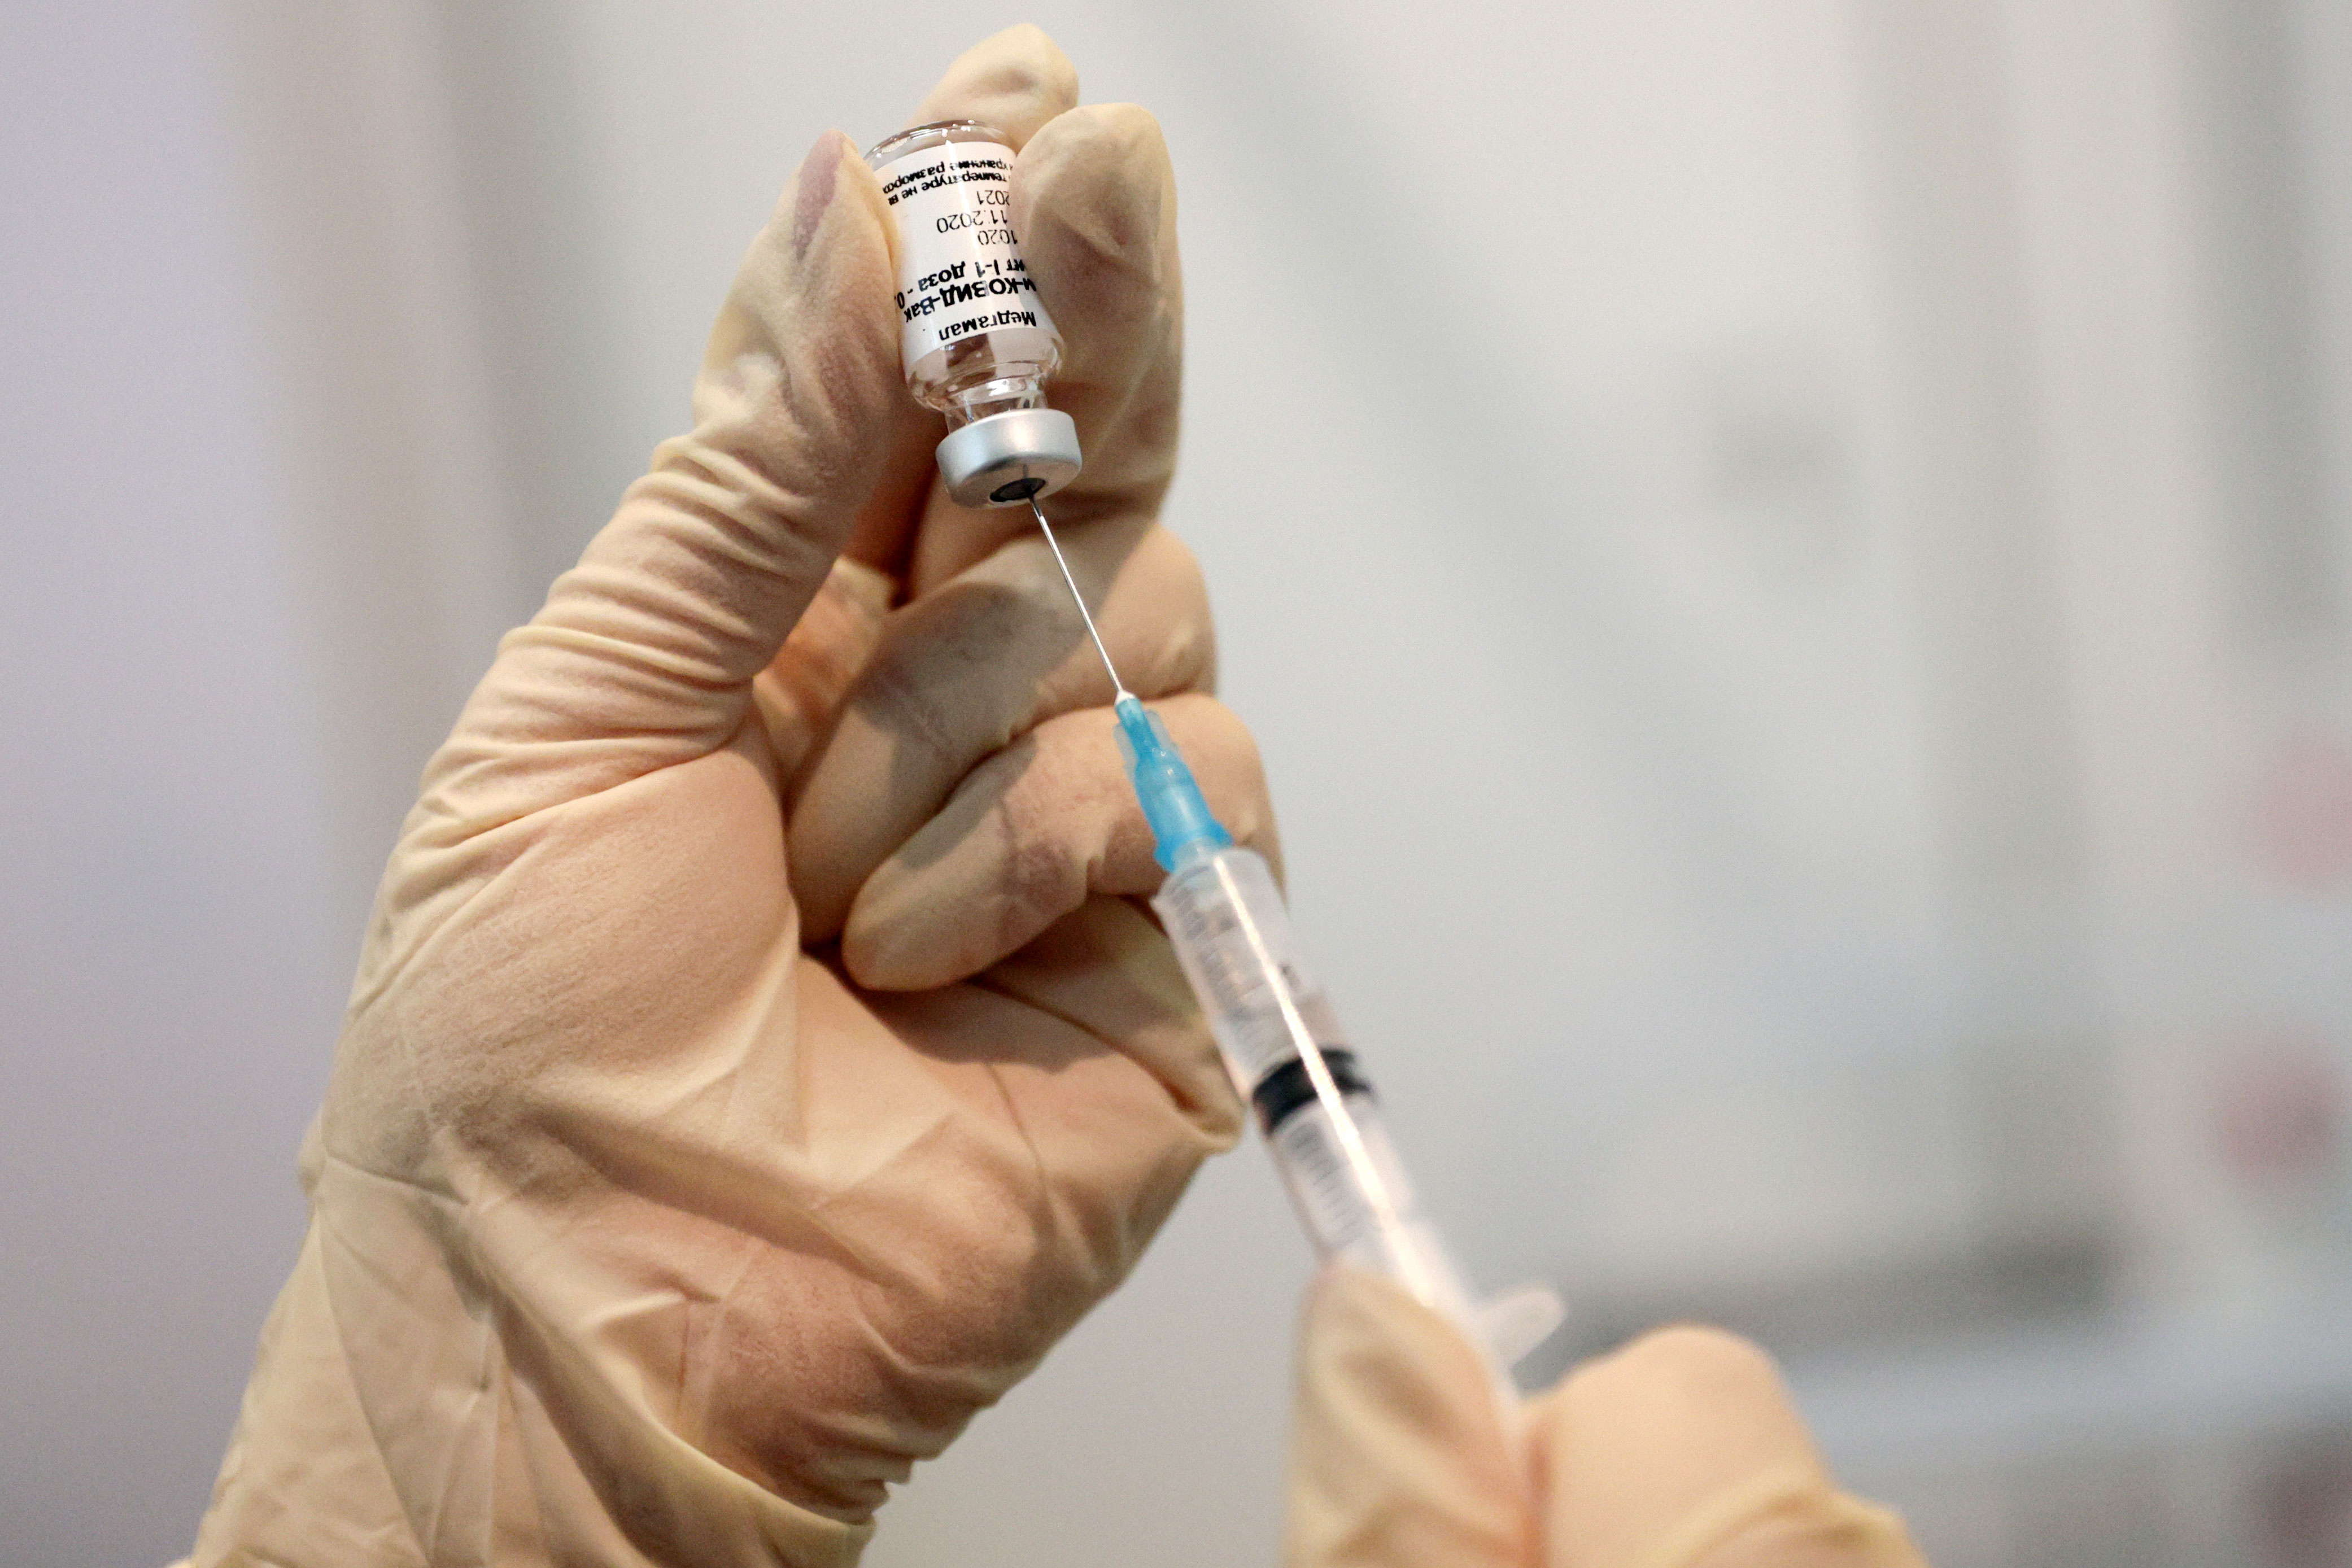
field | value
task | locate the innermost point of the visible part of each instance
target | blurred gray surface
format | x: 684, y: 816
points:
x: 1862, y: 684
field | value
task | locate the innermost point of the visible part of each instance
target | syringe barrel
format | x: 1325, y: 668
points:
x: 1282, y: 1043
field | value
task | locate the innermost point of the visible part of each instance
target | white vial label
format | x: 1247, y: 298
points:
x: 959, y: 271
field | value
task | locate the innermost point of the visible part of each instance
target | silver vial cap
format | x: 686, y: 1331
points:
x: 1006, y: 458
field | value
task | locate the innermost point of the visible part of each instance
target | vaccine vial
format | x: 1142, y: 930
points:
x: 977, y: 343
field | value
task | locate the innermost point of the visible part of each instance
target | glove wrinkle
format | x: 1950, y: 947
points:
x: 1104, y: 969
x: 799, y: 692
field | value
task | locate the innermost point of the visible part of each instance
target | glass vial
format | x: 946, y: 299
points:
x: 977, y: 343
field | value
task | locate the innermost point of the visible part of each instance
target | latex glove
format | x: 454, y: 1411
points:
x: 640, y: 1233
x: 1678, y: 1451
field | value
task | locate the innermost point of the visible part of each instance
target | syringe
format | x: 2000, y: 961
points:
x: 1282, y: 1043
x: 983, y: 366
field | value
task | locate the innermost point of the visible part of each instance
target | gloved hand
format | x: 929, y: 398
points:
x: 1678, y: 1451
x: 646, y: 1225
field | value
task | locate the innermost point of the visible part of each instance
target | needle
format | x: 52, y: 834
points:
x: 1117, y: 687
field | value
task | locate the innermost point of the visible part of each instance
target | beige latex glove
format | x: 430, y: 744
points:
x: 645, y: 1226
x: 1678, y: 1451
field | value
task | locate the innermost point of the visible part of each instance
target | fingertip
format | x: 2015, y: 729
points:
x: 878, y: 962
x: 1677, y: 1426
x: 1688, y: 1366
x: 1121, y: 138
x: 814, y: 287
x: 813, y: 187
x: 1372, y: 1357
x: 1014, y: 80
x: 893, y: 938
x: 1712, y: 1398
x: 813, y: 218
x: 1094, y: 199
x: 1004, y: 858
x: 871, y: 958
x: 1369, y: 1345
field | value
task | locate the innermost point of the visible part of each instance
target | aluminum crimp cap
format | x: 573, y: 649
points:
x: 1006, y: 458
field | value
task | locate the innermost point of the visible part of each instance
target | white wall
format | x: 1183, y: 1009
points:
x: 172, y: 940
x: 1787, y: 560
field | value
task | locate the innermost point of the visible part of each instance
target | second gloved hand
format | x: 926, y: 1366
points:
x: 1680, y: 1451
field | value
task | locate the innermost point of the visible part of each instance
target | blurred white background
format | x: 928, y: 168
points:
x: 1788, y: 557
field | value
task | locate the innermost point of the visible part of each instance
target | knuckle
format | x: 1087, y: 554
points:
x: 1030, y: 64
x: 1231, y: 741
x: 1174, y: 567
x: 1248, y: 761
x: 1241, y: 774
x: 897, y: 699
x: 965, y: 626
x: 1173, y: 637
